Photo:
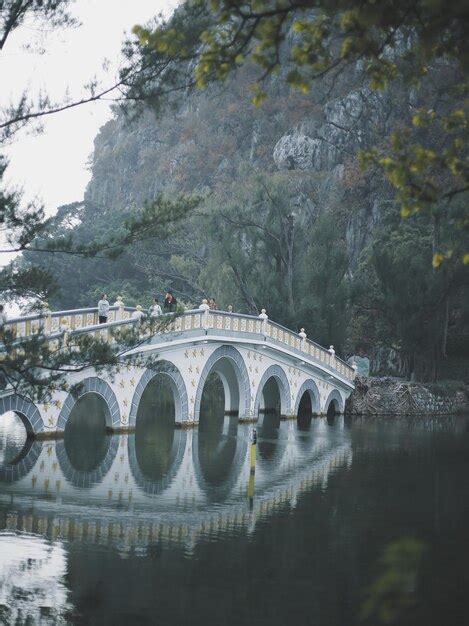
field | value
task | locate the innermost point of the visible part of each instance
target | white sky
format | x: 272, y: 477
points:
x: 52, y: 166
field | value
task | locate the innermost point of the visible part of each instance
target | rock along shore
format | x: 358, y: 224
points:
x: 396, y: 398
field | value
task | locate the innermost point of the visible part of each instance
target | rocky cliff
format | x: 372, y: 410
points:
x: 206, y: 142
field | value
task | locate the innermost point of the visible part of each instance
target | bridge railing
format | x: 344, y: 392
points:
x: 312, y: 349
x: 235, y: 322
x: 51, y: 321
x: 86, y: 320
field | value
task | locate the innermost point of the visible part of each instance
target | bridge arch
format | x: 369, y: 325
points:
x: 309, y: 387
x: 95, y: 385
x: 335, y: 401
x: 277, y: 373
x: 178, y: 388
x: 26, y: 410
x: 228, y: 363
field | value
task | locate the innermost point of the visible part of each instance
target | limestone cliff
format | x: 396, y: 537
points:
x: 205, y: 142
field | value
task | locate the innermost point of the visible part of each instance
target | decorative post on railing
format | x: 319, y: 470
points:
x: 332, y: 353
x: 65, y: 329
x: 47, y: 314
x: 205, y: 312
x: 264, y: 317
x: 302, y: 336
x: 355, y: 368
x: 119, y: 303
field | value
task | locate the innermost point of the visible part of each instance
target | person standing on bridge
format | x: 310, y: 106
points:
x: 155, y: 309
x: 103, y: 309
x: 170, y: 302
x: 138, y: 314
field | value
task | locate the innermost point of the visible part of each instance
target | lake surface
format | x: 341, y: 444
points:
x: 344, y: 523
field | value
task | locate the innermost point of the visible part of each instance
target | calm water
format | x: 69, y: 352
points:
x: 346, y: 523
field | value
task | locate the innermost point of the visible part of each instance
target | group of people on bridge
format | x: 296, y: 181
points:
x: 170, y: 305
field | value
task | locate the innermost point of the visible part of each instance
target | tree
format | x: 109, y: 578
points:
x: 323, y: 282
x: 401, y: 302
x: 266, y: 251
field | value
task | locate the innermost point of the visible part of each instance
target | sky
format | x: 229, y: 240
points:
x: 52, y: 166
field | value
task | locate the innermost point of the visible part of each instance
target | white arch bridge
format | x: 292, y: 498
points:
x: 262, y: 366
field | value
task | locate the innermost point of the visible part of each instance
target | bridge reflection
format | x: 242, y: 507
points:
x: 163, y: 483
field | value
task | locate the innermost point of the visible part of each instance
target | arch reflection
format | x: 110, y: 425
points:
x: 218, y: 451
x: 157, y: 448
x: 20, y: 466
x: 18, y: 452
x: 86, y: 453
x: 268, y: 436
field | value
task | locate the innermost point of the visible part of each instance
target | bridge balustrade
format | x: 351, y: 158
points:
x: 86, y: 320
x: 75, y: 319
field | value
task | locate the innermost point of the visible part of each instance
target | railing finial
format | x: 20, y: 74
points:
x: 204, y: 307
x: 264, y: 317
x: 302, y: 336
x: 47, y: 313
x: 119, y: 303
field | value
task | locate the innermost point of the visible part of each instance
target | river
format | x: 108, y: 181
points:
x: 343, y: 523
